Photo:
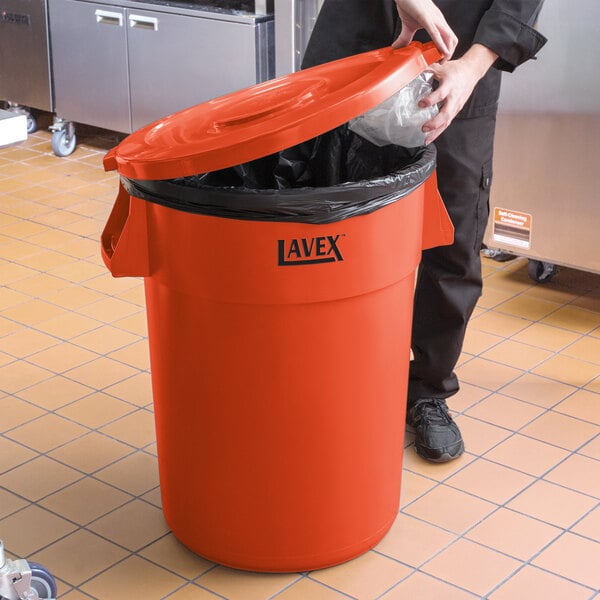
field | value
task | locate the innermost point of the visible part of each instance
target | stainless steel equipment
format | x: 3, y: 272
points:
x: 294, y: 22
x: 123, y: 64
x: 545, y: 203
x: 25, y: 77
x: 23, y: 580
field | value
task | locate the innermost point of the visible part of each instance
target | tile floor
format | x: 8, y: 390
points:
x: 517, y: 516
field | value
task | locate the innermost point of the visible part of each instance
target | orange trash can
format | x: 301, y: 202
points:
x: 279, y: 348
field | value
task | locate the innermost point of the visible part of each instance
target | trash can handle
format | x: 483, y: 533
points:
x: 430, y: 53
x: 292, y: 96
x: 437, y: 226
x: 124, y: 241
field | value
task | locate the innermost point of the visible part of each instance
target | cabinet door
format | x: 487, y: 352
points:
x: 24, y: 60
x: 178, y: 61
x: 89, y: 59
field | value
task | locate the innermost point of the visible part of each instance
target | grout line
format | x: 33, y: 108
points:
x: 448, y: 583
x: 146, y: 450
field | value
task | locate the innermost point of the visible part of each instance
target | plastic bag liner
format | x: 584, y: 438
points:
x: 326, y: 179
x: 398, y: 120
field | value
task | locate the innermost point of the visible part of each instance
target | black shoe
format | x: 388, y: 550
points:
x: 438, y: 437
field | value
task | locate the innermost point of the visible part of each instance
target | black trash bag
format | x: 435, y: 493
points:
x: 331, y: 177
x: 338, y: 156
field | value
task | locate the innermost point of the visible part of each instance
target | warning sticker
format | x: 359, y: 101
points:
x: 512, y: 227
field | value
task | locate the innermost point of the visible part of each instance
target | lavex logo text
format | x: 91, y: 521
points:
x: 309, y: 251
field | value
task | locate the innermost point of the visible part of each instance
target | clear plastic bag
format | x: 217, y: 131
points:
x: 398, y: 120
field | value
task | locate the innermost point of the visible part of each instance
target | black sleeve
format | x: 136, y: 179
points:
x: 346, y: 27
x: 508, y: 28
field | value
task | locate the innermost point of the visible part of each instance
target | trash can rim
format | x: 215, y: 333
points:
x: 317, y: 205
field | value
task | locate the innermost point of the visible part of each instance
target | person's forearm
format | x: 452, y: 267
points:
x: 457, y: 80
x: 480, y: 59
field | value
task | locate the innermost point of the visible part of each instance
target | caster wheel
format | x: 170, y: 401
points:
x: 62, y: 144
x: 540, y: 271
x: 31, y: 123
x: 42, y: 581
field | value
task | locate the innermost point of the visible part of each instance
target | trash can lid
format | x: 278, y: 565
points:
x: 268, y: 117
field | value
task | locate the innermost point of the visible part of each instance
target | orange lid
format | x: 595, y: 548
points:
x: 268, y: 117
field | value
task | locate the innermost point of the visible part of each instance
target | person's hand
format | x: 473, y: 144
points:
x: 457, y: 79
x: 424, y: 14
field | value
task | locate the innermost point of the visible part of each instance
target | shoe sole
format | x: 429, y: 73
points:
x: 442, y: 458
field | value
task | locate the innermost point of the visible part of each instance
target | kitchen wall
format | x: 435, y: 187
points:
x: 564, y: 78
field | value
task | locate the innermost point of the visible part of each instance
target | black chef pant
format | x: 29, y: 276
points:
x: 449, y: 280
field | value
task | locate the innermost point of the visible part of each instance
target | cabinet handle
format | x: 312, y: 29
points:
x: 142, y: 22
x: 109, y: 18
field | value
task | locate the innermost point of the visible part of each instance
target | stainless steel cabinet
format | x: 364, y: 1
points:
x: 177, y: 61
x: 24, y: 56
x: 121, y: 66
x: 89, y: 56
